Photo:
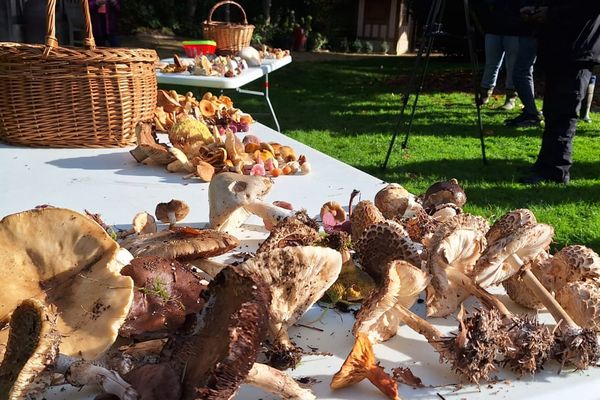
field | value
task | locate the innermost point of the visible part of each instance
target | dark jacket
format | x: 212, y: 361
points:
x: 501, y: 17
x: 572, y: 32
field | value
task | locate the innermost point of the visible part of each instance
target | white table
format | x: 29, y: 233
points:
x: 110, y: 182
x: 247, y: 76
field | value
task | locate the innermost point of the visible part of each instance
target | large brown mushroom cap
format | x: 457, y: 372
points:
x: 216, y: 359
x: 444, y: 192
x: 32, y: 347
x: 165, y: 292
x: 68, y: 261
x: 364, y: 215
x: 497, y: 262
x: 383, y: 242
x: 574, y: 263
x: 296, y: 277
x: 456, y: 244
x: 581, y: 300
x: 182, y: 244
x: 378, y: 317
x: 393, y: 200
x: 510, y: 222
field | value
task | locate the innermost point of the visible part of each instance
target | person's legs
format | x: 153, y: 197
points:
x: 494, y: 52
x: 565, y: 89
x: 523, y: 81
x: 511, y: 49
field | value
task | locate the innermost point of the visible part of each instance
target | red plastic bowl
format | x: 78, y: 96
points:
x: 199, y: 47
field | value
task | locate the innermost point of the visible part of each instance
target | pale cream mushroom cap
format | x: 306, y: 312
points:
x: 496, y: 264
x: 297, y: 277
x: 456, y: 244
x: 67, y: 261
x: 581, y: 300
x: 393, y: 200
x: 379, y: 317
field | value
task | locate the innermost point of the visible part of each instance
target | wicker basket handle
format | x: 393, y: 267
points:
x: 52, y: 41
x: 221, y: 3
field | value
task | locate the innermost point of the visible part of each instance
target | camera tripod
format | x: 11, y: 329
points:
x: 431, y: 30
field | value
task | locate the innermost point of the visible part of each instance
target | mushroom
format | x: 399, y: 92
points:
x: 148, y: 146
x: 220, y: 354
x: 510, y: 255
x: 171, y: 212
x: 233, y: 197
x: 188, y: 135
x: 142, y: 223
x: 166, y: 291
x: 182, y: 244
x: 32, y: 357
x: 383, y: 242
x: 445, y: 211
x: 335, y: 209
x: 69, y: 262
x: 573, y: 263
x: 520, y: 293
x: 361, y: 364
x: 396, y: 202
x: 296, y: 277
x: 364, y: 215
x: 31, y: 351
x: 581, y: 300
x: 444, y: 192
x: 379, y: 317
x: 420, y: 227
x: 289, y: 232
x: 455, y: 247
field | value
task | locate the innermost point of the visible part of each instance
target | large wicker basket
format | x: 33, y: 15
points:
x: 71, y: 97
x: 230, y: 37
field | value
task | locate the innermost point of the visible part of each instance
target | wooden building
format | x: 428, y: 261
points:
x: 386, y: 20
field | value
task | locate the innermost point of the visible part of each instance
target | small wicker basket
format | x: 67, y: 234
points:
x: 71, y: 97
x: 230, y: 37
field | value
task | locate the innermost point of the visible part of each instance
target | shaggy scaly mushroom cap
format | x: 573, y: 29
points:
x: 574, y: 263
x: 289, y: 232
x: 581, y: 300
x: 444, y: 192
x: 32, y: 348
x: 497, y: 263
x: 364, y: 215
x: 379, y: 317
x: 510, y: 222
x: 456, y: 244
x: 67, y: 261
x: 383, y: 242
x: 420, y: 227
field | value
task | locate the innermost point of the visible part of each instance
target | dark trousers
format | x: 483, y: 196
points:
x: 566, y: 87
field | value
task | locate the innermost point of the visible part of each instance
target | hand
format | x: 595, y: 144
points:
x: 538, y: 15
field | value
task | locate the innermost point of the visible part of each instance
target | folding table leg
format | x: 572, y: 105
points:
x: 266, y: 96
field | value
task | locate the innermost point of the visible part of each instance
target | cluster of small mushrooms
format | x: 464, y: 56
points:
x: 203, y: 140
x: 152, y: 316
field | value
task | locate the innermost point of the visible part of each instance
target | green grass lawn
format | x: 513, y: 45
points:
x: 349, y: 109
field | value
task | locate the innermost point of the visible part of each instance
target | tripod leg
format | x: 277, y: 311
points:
x: 475, y: 67
x: 425, y: 42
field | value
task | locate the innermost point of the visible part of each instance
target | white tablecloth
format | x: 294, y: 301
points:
x: 111, y: 182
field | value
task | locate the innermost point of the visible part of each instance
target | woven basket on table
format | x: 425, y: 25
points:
x: 230, y: 37
x: 71, y: 97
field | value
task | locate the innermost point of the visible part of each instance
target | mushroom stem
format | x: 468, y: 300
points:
x: 81, y: 373
x: 271, y: 214
x: 277, y: 382
x: 207, y: 266
x: 172, y: 218
x: 546, y: 298
x: 421, y: 326
x: 467, y: 283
